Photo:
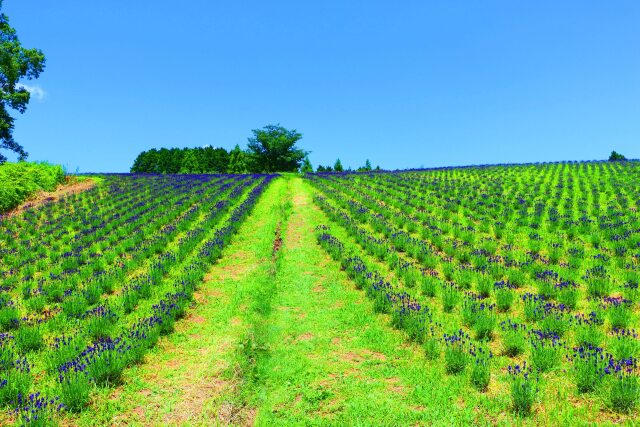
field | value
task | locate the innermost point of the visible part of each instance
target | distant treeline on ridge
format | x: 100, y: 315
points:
x: 271, y: 149
x: 183, y: 160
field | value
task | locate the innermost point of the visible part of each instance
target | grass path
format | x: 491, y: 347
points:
x: 188, y: 378
x: 332, y: 360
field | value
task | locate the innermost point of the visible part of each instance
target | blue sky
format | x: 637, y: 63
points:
x: 405, y: 84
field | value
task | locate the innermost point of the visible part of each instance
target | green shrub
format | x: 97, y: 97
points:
x: 18, y: 181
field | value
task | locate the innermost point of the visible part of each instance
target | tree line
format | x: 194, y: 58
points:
x: 271, y: 149
x: 337, y: 167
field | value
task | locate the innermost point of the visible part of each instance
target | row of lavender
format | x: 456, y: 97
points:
x: 138, y: 247
x: 533, y: 309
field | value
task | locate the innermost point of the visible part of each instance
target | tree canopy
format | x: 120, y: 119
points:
x: 238, y: 161
x: 616, y: 157
x: 190, y: 163
x: 16, y: 63
x: 182, y: 160
x: 273, y: 149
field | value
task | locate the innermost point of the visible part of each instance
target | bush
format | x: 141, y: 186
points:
x: 545, y: 350
x: 18, y: 181
x: 616, y: 157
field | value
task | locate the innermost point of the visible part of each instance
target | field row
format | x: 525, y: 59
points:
x: 89, y: 284
x: 525, y: 278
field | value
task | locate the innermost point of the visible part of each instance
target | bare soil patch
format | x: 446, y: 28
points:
x: 71, y: 186
x: 305, y: 337
x: 277, y: 241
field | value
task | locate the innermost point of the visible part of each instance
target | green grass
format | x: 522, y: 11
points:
x: 192, y: 376
x: 278, y: 333
x: 18, y: 181
x: 287, y: 339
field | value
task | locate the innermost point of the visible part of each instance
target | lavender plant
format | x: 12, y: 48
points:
x: 524, y: 388
x: 456, y: 352
x: 624, y: 391
x: 513, y: 338
x: 546, y: 350
x: 36, y: 410
x: 480, y: 374
x: 589, y: 365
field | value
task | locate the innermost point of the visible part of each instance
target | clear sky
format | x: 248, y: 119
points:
x: 406, y: 84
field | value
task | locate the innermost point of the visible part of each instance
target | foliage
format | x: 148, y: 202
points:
x: 185, y: 160
x: 366, y: 168
x: 273, y: 149
x: 524, y: 388
x: 616, y: 157
x: 306, y: 166
x: 16, y: 63
x: 238, y: 161
x: 190, y: 163
x: 20, y: 180
x: 149, y: 236
x: 557, y: 258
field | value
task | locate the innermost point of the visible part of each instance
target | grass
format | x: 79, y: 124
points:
x: 19, y: 181
x: 271, y: 343
x: 279, y: 334
x: 190, y: 377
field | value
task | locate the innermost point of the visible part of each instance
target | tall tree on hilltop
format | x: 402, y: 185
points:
x: 616, y: 157
x: 273, y: 149
x: 16, y: 63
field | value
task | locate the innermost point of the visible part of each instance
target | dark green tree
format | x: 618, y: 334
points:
x: 273, y: 149
x: 214, y: 160
x: 238, y: 162
x: 306, y: 166
x: 190, y: 163
x: 616, y: 157
x: 145, y: 162
x: 337, y: 166
x: 366, y: 167
x: 169, y: 160
x: 186, y: 160
x: 16, y: 63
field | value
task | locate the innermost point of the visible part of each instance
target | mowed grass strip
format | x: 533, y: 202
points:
x: 332, y: 360
x: 189, y: 377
